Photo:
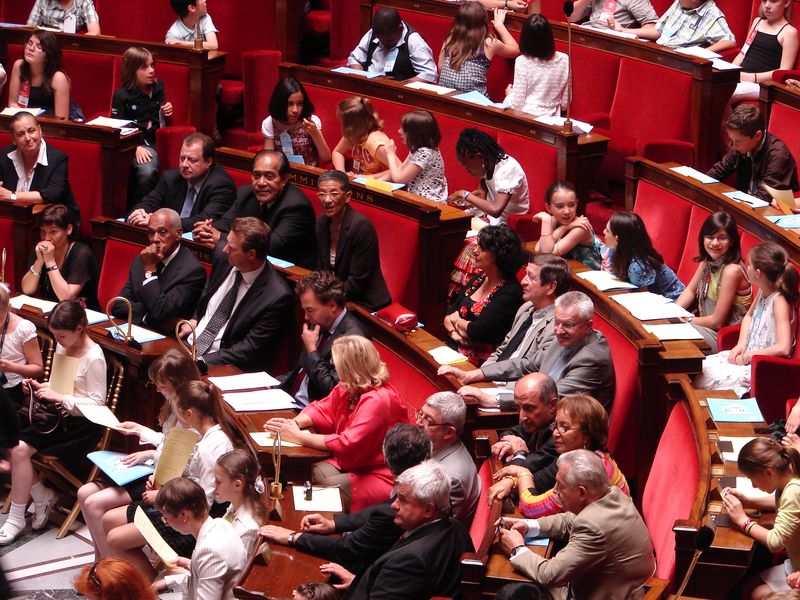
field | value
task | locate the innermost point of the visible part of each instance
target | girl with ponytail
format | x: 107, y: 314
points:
x: 771, y: 468
x: 768, y: 326
x: 236, y: 480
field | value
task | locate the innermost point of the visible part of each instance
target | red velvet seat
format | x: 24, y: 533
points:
x: 7, y: 234
x: 784, y: 122
x: 146, y: 20
x: 411, y: 385
x: 481, y: 517
x: 671, y: 487
x: 176, y: 87
x: 592, y: 95
x: 93, y: 79
x: 658, y: 206
x: 168, y: 145
x: 687, y: 265
x: 114, y: 269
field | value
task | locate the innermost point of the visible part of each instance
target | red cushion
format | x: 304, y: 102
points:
x: 739, y: 16
x: 345, y: 27
x: 432, y: 28
x: 539, y: 161
x: 7, y: 234
x: 480, y: 520
x: 244, y: 26
x: 168, y: 145
x: 146, y: 20
x: 317, y: 22
x: 92, y: 79
x: 231, y: 92
x: 16, y: 12
x: 657, y: 206
x: 671, y: 487
x: 591, y: 94
x: 411, y: 385
x: 500, y: 74
x: 688, y: 266
x: 237, y: 137
x: 114, y: 270
x: 457, y: 176
x: 176, y: 87
x: 260, y: 75
x: 784, y: 122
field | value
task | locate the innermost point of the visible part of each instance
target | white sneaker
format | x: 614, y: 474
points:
x: 9, y: 533
x: 41, y: 511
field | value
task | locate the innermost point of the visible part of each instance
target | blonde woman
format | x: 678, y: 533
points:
x: 351, y: 423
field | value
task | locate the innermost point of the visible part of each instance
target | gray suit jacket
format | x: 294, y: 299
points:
x: 531, y: 348
x: 590, y: 370
x: 465, y: 486
x: 609, y: 555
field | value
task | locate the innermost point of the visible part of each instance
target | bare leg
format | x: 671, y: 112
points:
x: 116, y: 517
x: 126, y: 542
x: 96, y: 500
x: 23, y: 476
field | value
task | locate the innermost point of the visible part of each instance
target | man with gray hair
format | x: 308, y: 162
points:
x: 165, y: 281
x: 442, y: 417
x: 609, y: 554
x: 427, y: 560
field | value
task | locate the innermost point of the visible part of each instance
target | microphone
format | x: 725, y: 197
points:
x: 569, y: 8
x: 705, y: 536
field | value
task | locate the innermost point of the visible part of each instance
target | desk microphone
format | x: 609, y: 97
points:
x: 569, y: 8
x: 705, y: 536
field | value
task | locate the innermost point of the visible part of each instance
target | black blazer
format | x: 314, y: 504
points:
x: 358, y: 261
x: 254, y: 331
x: 318, y: 365
x: 52, y: 181
x: 290, y: 218
x: 372, y: 532
x: 214, y: 199
x: 168, y: 297
x: 426, y: 563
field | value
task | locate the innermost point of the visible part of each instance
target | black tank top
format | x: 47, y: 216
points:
x: 764, y: 53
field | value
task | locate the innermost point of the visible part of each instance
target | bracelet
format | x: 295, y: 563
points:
x: 545, y: 234
x: 32, y: 270
x: 505, y: 3
x: 290, y: 539
x: 53, y: 268
x: 748, y: 525
x: 511, y: 477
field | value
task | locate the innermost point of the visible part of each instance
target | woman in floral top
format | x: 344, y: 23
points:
x: 484, y: 310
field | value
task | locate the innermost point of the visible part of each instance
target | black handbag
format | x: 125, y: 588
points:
x: 44, y: 417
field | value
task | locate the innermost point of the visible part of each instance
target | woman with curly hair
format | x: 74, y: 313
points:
x: 482, y: 313
x: 113, y: 579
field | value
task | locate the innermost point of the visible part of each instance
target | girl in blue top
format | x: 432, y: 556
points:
x: 632, y: 256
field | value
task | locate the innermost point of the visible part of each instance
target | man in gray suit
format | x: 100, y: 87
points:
x: 546, y: 278
x: 442, y: 417
x: 609, y: 554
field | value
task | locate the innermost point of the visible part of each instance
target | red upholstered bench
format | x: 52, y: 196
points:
x: 687, y: 265
x: 114, y: 269
x: 657, y: 206
x: 481, y: 518
x: 784, y: 122
x: 412, y: 386
x: 7, y: 235
x: 93, y: 79
x: 592, y: 95
x: 146, y: 20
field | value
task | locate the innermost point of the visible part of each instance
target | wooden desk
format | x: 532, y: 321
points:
x: 17, y: 224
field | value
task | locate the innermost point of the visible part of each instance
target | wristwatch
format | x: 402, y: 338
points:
x: 515, y: 550
x: 13, y: 197
x: 149, y: 274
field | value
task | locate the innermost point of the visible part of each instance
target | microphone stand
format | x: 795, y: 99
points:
x: 705, y: 537
x: 569, y: 7
x: 126, y: 337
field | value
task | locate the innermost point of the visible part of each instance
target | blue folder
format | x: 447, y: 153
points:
x: 109, y: 463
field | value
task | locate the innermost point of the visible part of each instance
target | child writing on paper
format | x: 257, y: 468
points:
x: 774, y: 469
x: 719, y: 292
x: 362, y: 137
x: 236, y: 480
x: 423, y: 168
x: 563, y: 232
x: 632, y: 258
x: 766, y: 328
x: 100, y: 497
x: 69, y: 443
x: 197, y: 406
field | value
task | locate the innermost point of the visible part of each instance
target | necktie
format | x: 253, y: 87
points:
x: 219, y: 318
x: 159, y: 268
x: 516, y: 340
x: 188, y: 204
x: 558, y: 367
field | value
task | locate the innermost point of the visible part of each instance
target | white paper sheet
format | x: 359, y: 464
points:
x: 95, y: 316
x: 738, y: 443
x: 267, y: 439
x: 609, y: 31
x: 421, y: 85
x: 674, y: 331
x: 18, y: 301
x: 752, y: 201
x: 445, y: 355
x: 694, y: 174
x: 605, y: 281
x: 244, y: 381
x: 109, y: 122
x: 698, y: 51
x: 99, y: 414
x: 140, y: 334
x: 259, y: 400
x: 323, y: 499
x: 639, y: 299
x: 744, y: 485
x: 659, y: 311
x: 62, y: 374
x: 724, y: 65
x: 153, y: 538
x: 577, y: 126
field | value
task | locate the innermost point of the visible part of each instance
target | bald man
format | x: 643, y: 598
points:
x: 165, y: 280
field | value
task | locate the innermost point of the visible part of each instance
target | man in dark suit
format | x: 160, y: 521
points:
x: 322, y: 298
x: 198, y: 189
x: 281, y: 205
x: 243, y: 311
x: 165, y: 280
x: 371, y: 531
x: 427, y: 560
x: 49, y: 183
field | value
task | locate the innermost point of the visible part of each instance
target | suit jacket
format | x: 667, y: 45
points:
x: 52, y: 181
x: 255, y: 329
x: 544, y: 336
x: 358, y: 262
x: 290, y: 216
x: 166, y: 298
x: 590, y: 370
x: 609, y: 555
x: 426, y: 563
x: 372, y: 532
x: 541, y: 450
x: 465, y: 486
x: 214, y: 199
x: 318, y: 365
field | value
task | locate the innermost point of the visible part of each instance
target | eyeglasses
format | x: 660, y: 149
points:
x: 93, y: 577
x: 569, y: 325
x: 562, y: 429
x: 720, y: 239
x: 424, y: 419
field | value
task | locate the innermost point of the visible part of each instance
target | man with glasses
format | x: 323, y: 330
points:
x: 442, y: 417
x: 280, y: 204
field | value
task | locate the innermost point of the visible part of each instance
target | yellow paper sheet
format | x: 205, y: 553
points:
x: 153, y: 538
x: 101, y: 415
x: 175, y: 456
x: 62, y: 374
x: 267, y: 438
x: 380, y: 186
x: 784, y: 198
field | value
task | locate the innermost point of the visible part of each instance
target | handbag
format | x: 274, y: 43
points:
x: 44, y: 417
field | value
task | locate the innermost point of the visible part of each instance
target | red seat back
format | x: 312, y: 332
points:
x: 345, y: 31
x: 594, y: 79
x: 739, y: 14
x: 7, y: 235
x: 784, y: 122
x: 480, y: 521
x: 412, y: 386
x: 671, y: 487
x: 688, y: 266
x: 146, y: 20
x: 260, y: 72
x: 176, y: 89
x: 244, y: 26
x: 168, y: 145
x: 658, y: 206
x: 538, y: 161
x: 114, y: 270
x: 93, y: 79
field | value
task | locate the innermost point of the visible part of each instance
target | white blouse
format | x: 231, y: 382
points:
x: 13, y: 352
x: 508, y: 178
x: 90, y: 380
x: 201, y: 465
x: 541, y: 87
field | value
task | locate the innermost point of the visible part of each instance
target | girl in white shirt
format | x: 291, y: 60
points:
x: 236, y: 481
x: 20, y: 356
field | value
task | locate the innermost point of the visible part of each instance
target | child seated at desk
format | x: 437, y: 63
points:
x: 182, y: 31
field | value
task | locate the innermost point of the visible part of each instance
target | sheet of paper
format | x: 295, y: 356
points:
x: 153, y: 538
x: 737, y: 443
x: 694, y: 174
x: 10, y: 112
x: 474, y: 97
x: 784, y: 198
x: 751, y: 201
x: 786, y: 221
x: 178, y: 448
x: 44, y: 305
x: 62, y: 374
x: 659, y: 311
x: 267, y: 439
x: 259, y: 400
x: 323, y: 499
x: 279, y: 262
x: 577, y: 126
x: 109, y: 122
x: 110, y: 463
x: 445, y: 355
x: 95, y: 316
x: 185, y: 236
x: 724, y: 65
x: 365, y: 181
x: 698, y: 51
x: 728, y: 410
x: 605, y: 281
x: 421, y: 85
x: 245, y: 381
x: 140, y: 334
x: 639, y: 299
x: 745, y: 485
x: 99, y: 414
x: 350, y: 71
x: 609, y: 31
x: 674, y: 331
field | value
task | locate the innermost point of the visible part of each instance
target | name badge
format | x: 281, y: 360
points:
x: 286, y: 143
x: 70, y: 24
x: 24, y: 94
x: 750, y: 37
x: 389, y: 66
x: 356, y: 166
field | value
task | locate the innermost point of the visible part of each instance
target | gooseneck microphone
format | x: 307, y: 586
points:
x: 705, y: 536
x: 569, y: 8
